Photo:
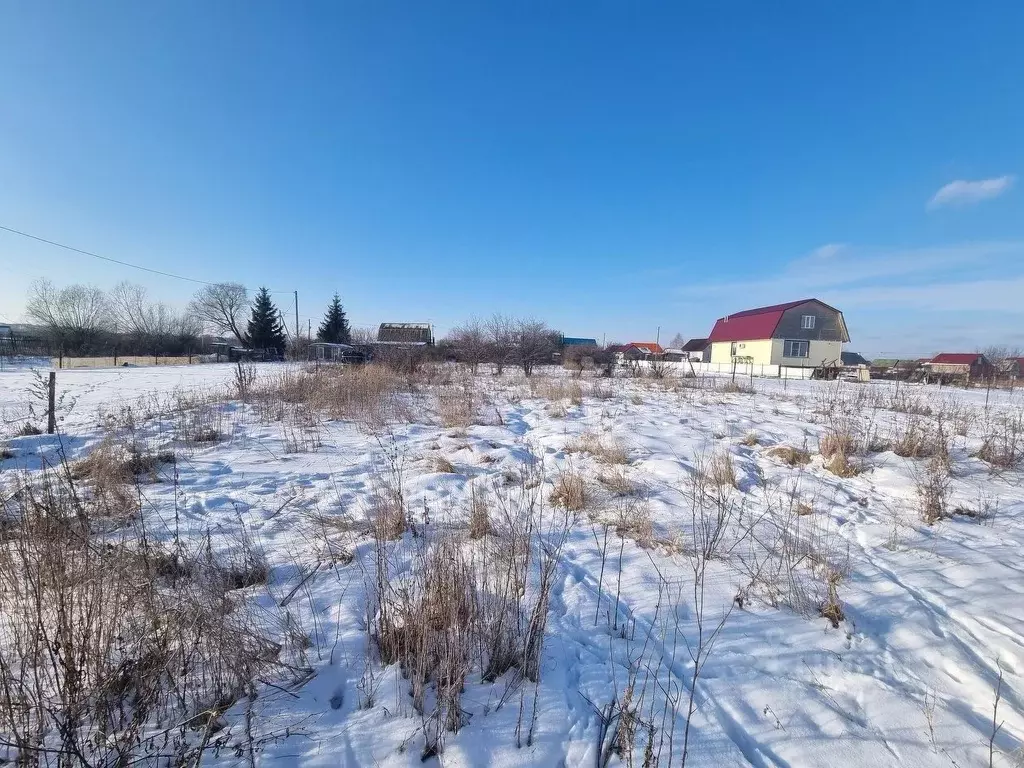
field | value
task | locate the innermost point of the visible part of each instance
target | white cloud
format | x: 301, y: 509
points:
x: 962, y: 192
x: 827, y: 251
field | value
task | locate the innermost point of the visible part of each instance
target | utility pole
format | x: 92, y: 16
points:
x: 657, y: 339
x: 309, y: 329
x: 296, y: 315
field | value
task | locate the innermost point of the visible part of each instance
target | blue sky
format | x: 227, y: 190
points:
x: 606, y: 167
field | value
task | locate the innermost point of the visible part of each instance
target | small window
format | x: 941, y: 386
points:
x: 795, y: 349
x: 732, y: 349
x: 807, y: 322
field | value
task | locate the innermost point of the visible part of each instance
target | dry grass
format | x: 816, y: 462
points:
x: 457, y: 406
x: 837, y: 446
x: 915, y: 439
x: 479, y: 514
x: 443, y: 465
x: 618, y: 482
x: 570, y: 491
x: 633, y: 519
x: 721, y: 470
x: 933, y: 484
x: 1003, y: 446
x: 794, y: 457
x: 606, y: 450
x: 751, y: 439
x: 105, y: 641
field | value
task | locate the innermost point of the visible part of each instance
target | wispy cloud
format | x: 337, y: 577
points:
x: 963, y: 192
x: 832, y: 268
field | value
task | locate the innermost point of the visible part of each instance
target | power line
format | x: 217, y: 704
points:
x: 117, y: 261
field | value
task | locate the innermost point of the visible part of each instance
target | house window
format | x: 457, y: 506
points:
x: 807, y: 322
x: 795, y: 348
x: 732, y: 349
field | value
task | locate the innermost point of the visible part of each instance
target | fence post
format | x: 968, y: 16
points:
x: 51, y: 404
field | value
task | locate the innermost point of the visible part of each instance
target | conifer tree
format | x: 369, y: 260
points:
x: 334, y: 328
x: 265, y: 331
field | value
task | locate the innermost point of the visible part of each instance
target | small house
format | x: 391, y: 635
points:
x: 968, y: 365
x: 406, y: 334
x: 642, y: 350
x: 853, y: 360
x: 697, y: 351
x: 805, y: 333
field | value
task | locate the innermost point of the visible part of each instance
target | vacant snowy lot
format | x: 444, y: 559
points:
x: 358, y: 567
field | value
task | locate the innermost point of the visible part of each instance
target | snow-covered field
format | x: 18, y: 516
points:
x: 704, y: 529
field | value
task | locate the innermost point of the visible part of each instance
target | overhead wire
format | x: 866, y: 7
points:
x: 118, y: 261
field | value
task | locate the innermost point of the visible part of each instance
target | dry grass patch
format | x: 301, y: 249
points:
x: 479, y: 514
x: 720, y: 470
x: 570, y: 491
x: 618, y: 482
x: 443, y: 465
x: 837, y: 446
x: 633, y: 519
x: 607, y: 451
x: 1003, y: 447
x: 794, y: 457
x: 751, y: 439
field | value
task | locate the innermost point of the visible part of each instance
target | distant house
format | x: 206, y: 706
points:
x: 971, y: 365
x: 805, y: 333
x: 641, y: 350
x: 577, y: 341
x: 852, y: 359
x: 7, y: 342
x: 697, y: 351
x: 406, y: 334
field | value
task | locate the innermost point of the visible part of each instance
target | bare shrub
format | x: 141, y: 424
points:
x: 102, y: 645
x: 27, y: 430
x: 751, y: 439
x: 933, y: 485
x: 461, y: 607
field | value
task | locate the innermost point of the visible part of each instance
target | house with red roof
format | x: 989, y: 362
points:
x: 803, y: 334
x: 971, y: 365
x: 641, y: 350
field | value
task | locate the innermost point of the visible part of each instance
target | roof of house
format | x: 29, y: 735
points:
x: 957, y: 358
x: 752, y: 324
x: 574, y: 341
x: 695, y: 345
x: 404, y: 333
x: 853, y: 358
x: 648, y: 347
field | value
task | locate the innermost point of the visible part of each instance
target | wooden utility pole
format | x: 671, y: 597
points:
x: 51, y: 404
x: 296, y: 316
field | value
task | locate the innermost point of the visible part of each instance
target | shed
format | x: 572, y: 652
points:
x: 406, y: 334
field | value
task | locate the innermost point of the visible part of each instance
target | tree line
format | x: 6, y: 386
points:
x: 86, y: 320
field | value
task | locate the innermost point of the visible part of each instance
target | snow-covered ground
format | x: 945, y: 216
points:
x: 906, y: 674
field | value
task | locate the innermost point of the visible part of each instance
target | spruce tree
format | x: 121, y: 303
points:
x: 266, y: 330
x: 334, y: 328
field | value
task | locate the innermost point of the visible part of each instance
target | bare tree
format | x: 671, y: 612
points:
x: 153, y: 326
x: 75, y: 315
x: 500, y: 335
x: 677, y: 341
x: 533, y: 344
x: 223, y: 306
x: 363, y: 335
x: 470, y: 343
